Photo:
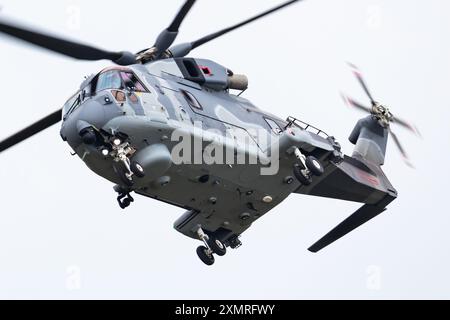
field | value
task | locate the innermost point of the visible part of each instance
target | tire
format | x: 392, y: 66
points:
x: 217, y: 246
x: 314, y: 165
x: 137, y: 169
x: 207, y: 259
x: 304, y: 179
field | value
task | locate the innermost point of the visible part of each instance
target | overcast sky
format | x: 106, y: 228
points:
x: 62, y: 234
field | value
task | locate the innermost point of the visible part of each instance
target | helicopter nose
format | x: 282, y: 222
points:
x: 82, y: 125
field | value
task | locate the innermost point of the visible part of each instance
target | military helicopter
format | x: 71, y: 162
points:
x: 122, y: 120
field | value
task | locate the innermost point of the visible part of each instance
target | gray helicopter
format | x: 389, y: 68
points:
x: 152, y: 123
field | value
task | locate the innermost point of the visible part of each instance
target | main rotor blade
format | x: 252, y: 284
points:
x: 352, y: 103
x: 176, y: 23
x: 217, y: 34
x: 26, y: 133
x: 400, y: 148
x: 183, y: 49
x: 65, y: 47
x: 361, y: 216
x: 168, y: 36
x: 360, y: 78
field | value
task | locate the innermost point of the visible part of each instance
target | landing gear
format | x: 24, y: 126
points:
x: 302, y: 175
x: 124, y: 174
x: 125, y: 169
x: 137, y: 169
x: 314, y: 165
x: 211, y: 246
x: 307, y: 167
x: 205, y: 255
x: 124, y: 198
x: 217, y: 247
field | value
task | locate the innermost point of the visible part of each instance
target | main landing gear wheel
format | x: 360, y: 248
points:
x: 302, y: 175
x: 205, y: 255
x: 217, y: 246
x: 314, y: 165
x: 137, y: 169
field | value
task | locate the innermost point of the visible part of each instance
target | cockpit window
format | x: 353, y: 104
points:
x: 115, y: 79
x: 131, y: 82
x: 109, y: 80
x: 71, y: 104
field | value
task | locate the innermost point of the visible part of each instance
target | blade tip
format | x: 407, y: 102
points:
x: 353, y: 66
x: 313, y: 250
x: 345, y: 98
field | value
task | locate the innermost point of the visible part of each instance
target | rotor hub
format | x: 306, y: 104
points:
x: 151, y: 54
x: 382, y: 114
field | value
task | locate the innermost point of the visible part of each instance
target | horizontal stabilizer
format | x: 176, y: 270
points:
x: 361, y: 216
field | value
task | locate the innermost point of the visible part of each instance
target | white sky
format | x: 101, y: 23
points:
x: 62, y: 234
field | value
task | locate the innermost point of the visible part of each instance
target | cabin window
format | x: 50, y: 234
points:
x: 119, y: 96
x: 193, y: 102
x: 274, y: 126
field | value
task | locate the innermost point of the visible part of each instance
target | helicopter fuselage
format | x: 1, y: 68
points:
x: 224, y: 193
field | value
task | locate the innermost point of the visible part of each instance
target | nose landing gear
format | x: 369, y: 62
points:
x: 137, y: 169
x: 124, y: 167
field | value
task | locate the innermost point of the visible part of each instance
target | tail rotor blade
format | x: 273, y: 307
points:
x: 352, y: 103
x: 362, y: 82
x: 400, y: 148
x: 183, y: 49
x: 405, y: 124
x: 28, y: 132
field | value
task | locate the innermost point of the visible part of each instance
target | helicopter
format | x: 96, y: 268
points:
x: 176, y: 129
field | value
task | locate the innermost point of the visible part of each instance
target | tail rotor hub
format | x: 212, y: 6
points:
x: 382, y: 114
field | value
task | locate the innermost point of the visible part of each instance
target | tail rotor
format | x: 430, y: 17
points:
x: 381, y: 113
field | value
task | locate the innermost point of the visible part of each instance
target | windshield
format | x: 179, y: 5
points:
x: 115, y: 79
x: 109, y: 80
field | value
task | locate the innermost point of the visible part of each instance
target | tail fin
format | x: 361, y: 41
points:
x: 370, y: 140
